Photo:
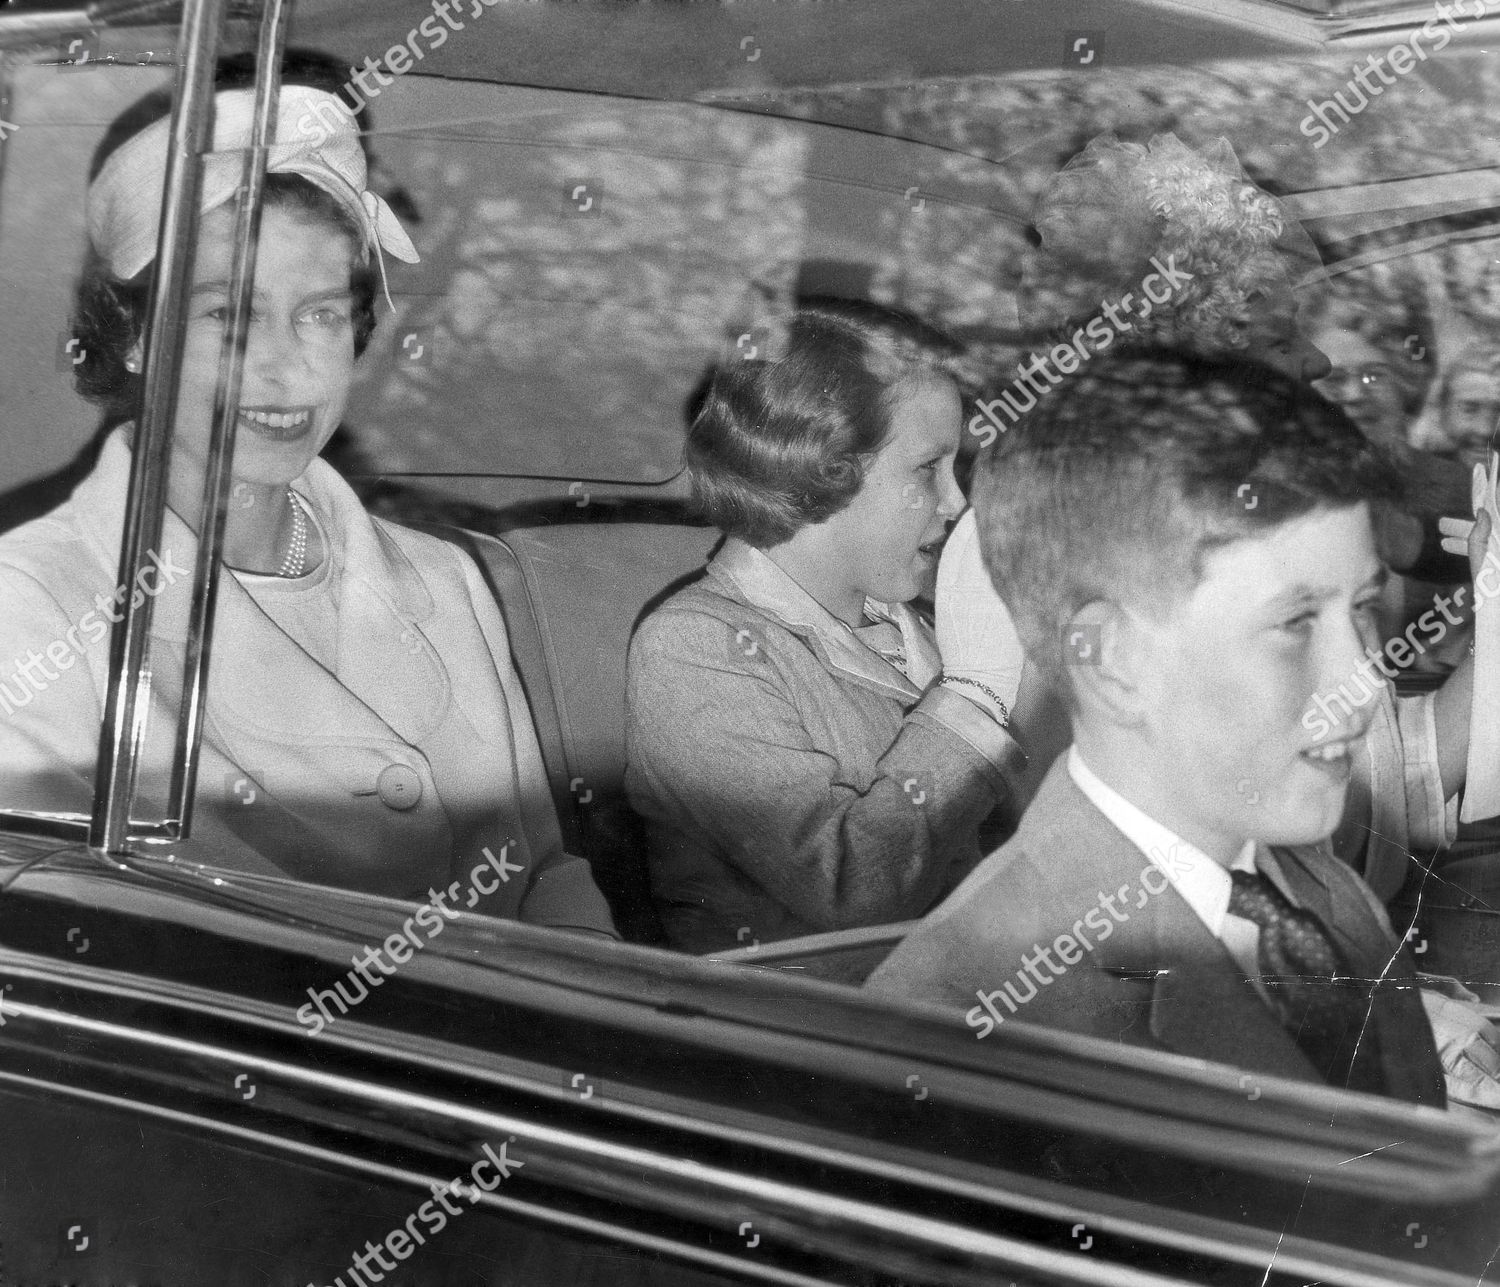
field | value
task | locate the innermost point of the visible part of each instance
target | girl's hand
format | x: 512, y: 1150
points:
x: 975, y: 634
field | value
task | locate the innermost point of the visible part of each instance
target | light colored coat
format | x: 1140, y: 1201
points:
x: 395, y: 775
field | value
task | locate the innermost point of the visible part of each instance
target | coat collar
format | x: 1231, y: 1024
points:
x: 382, y: 602
x: 1201, y: 1003
x: 753, y: 578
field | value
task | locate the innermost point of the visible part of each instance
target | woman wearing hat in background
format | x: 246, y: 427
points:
x: 364, y: 726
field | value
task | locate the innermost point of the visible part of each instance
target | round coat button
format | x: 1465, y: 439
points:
x: 400, y: 787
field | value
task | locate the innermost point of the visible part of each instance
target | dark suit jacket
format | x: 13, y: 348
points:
x: 1150, y: 974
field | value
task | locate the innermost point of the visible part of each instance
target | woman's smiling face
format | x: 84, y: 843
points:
x: 299, y: 357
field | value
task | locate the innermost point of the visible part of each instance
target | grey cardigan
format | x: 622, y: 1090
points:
x: 792, y: 780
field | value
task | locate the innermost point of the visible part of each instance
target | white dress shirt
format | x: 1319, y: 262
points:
x: 1203, y: 883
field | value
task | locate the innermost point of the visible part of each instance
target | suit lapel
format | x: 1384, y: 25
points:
x: 390, y: 686
x: 854, y: 661
x: 1304, y: 876
x: 1203, y: 1005
x: 1300, y: 881
x: 1400, y: 1036
x: 1200, y: 1003
x: 391, y: 682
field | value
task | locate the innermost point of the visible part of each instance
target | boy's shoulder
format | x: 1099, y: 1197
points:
x: 1039, y: 883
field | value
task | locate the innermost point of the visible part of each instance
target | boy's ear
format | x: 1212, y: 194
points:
x: 1104, y: 649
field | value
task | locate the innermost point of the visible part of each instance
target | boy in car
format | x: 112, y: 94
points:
x: 1186, y: 549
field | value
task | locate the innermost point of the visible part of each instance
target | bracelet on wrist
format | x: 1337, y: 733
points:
x: 986, y: 690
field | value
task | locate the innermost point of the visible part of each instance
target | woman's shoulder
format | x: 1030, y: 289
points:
x: 429, y: 553
x: 52, y: 550
x: 50, y: 578
x: 444, y: 568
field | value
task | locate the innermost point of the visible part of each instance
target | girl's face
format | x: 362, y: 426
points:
x: 299, y: 357
x: 886, y: 539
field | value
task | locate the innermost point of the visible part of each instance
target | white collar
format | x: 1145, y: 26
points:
x: 755, y: 578
x: 1203, y: 883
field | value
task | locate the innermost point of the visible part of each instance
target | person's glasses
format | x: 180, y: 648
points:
x: 1361, y: 379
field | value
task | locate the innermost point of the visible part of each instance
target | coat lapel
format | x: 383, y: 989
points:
x: 391, y: 684
x: 1401, y: 1035
x: 1304, y: 879
x: 750, y: 576
x: 1200, y: 1003
x: 1203, y: 1005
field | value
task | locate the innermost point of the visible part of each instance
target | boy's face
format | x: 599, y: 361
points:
x: 1231, y: 673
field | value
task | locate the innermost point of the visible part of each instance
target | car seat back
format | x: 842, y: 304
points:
x: 571, y: 595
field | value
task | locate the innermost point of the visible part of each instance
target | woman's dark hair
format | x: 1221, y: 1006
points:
x: 109, y: 315
x: 784, y: 442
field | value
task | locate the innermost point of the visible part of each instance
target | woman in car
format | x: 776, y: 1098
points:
x: 364, y: 727
x: 802, y: 759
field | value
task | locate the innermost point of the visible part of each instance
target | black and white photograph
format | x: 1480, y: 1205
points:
x: 813, y: 643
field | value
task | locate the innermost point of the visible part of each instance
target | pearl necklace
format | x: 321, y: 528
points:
x: 295, y: 562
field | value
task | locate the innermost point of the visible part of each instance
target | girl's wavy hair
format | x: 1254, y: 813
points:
x: 1163, y: 201
x: 781, y: 443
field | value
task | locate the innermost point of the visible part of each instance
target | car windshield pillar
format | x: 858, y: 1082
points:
x: 115, y: 823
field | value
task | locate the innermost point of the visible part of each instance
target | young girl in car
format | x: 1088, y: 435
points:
x: 808, y: 754
x: 364, y: 726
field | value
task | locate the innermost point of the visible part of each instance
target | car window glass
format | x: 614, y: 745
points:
x: 585, y: 260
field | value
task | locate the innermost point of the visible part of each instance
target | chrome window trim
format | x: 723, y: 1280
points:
x: 1450, y: 1159
x: 425, y: 1183
x: 624, y: 1172
x: 217, y: 477
x: 128, y: 695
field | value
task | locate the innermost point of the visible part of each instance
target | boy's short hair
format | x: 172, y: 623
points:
x: 784, y: 442
x: 1122, y: 478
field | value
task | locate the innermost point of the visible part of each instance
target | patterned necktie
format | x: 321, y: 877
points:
x: 1309, y: 985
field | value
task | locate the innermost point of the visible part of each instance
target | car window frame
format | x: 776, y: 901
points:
x: 113, y: 829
